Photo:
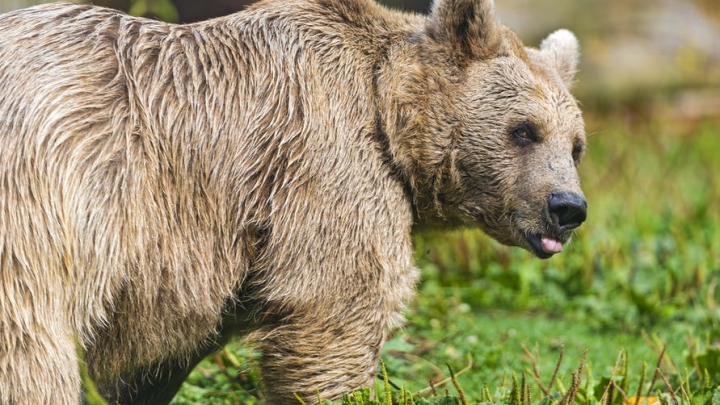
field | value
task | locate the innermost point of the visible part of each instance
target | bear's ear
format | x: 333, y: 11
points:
x: 561, y: 48
x: 468, y: 27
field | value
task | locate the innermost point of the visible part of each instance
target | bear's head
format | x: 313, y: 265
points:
x: 485, y: 130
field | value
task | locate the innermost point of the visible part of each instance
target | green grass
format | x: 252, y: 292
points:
x: 640, y: 274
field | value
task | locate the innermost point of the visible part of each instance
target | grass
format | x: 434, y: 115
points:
x: 640, y: 275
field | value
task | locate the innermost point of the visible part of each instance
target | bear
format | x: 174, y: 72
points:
x: 164, y: 187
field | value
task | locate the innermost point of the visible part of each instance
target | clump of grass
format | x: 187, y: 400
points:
x: 610, y: 390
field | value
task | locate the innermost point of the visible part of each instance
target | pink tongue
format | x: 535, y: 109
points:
x: 551, y: 246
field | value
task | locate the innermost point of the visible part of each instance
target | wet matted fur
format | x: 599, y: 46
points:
x: 163, y: 187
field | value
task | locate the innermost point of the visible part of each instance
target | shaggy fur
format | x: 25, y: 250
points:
x: 163, y: 187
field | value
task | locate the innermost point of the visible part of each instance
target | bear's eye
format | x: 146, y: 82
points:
x: 525, y: 134
x: 577, y: 152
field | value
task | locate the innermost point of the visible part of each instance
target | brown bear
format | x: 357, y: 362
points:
x: 164, y: 187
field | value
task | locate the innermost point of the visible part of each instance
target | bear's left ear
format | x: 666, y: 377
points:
x: 468, y: 27
x: 561, y: 48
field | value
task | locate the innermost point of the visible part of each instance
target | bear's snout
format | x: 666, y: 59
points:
x: 567, y: 210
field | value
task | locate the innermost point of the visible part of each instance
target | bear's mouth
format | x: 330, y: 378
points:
x: 543, y: 246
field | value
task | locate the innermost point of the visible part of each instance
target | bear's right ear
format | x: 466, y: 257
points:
x: 467, y: 26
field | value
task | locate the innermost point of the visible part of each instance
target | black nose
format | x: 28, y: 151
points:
x: 567, y: 210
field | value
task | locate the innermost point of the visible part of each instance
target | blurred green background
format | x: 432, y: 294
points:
x: 642, y: 272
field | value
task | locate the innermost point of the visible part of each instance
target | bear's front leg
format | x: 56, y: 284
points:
x: 330, y: 285
x: 312, y: 350
x: 324, y: 326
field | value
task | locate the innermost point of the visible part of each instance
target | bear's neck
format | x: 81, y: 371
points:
x: 417, y: 117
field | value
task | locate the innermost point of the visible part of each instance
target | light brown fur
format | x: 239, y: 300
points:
x: 163, y: 187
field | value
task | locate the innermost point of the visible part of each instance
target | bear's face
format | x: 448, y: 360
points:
x: 488, y: 132
x: 521, y: 139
